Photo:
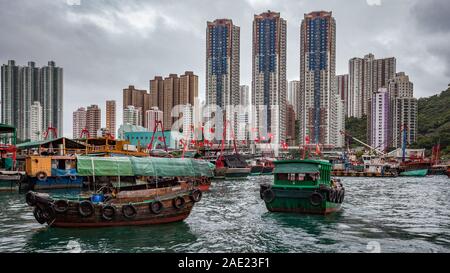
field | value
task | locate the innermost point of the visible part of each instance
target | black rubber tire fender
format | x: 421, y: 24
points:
x: 268, y: 195
x: 30, y: 198
x: 178, y: 202
x: 86, y: 208
x: 156, y: 207
x: 61, y: 206
x: 38, y: 213
x: 316, y: 199
x: 129, y: 211
x: 196, y: 195
x: 108, y: 212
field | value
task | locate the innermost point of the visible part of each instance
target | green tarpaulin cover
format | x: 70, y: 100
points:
x: 297, y: 168
x: 143, y: 166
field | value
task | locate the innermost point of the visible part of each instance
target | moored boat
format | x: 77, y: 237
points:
x: 165, y: 195
x: 303, y: 186
x: 232, y: 167
x: 419, y: 173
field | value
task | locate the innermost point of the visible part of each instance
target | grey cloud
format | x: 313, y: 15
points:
x: 106, y: 45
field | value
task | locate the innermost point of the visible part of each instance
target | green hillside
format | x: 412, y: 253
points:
x: 434, y: 122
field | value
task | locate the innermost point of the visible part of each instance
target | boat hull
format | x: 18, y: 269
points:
x: 141, y: 201
x: 56, y: 182
x: 299, y: 201
x: 419, y: 173
x: 232, y: 173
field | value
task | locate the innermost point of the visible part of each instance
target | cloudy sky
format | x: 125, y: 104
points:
x: 106, y: 45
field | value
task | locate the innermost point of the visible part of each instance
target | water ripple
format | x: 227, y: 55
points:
x: 399, y: 215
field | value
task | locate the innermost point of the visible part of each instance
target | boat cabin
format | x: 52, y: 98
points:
x: 302, y: 173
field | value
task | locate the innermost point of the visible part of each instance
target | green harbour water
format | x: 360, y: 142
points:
x: 403, y: 214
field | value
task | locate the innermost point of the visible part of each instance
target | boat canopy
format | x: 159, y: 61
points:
x: 297, y: 168
x: 143, y: 166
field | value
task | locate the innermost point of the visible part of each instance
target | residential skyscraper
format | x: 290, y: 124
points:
x: 269, y: 83
x: 93, y: 119
x: 152, y: 116
x: 78, y: 122
x: 293, y: 97
x: 290, y: 125
x: 132, y: 115
x: 36, y: 125
x: 22, y: 86
x: 222, y: 63
x: 404, y: 110
x: 342, y: 90
x: 10, y: 93
x: 28, y: 93
x: 111, y: 117
x: 366, y: 76
x: 380, y: 130
x: 137, y: 98
x: 51, y: 96
x: 317, y: 78
x: 172, y: 91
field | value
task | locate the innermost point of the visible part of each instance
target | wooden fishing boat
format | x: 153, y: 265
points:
x: 46, y: 172
x: 231, y: 167
x: 303, y: 186
x: 168, y: 195
x: 9, y: 180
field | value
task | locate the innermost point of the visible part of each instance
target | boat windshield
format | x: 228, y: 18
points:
x: 307, y: 177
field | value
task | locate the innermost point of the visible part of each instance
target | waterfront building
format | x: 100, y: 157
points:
x: 269, y: 82
x: 317, y: 78
x: 111, y: 117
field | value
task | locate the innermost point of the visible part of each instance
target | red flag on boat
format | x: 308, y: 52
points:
x: 317, y: 149
x: 307, y: 139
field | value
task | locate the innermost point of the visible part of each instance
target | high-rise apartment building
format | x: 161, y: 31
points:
x: 36, y: 125
x: 51, y: 96
x: 404, y: 110
x: 222, y: 66
x: 152, y: 117
x: 78, y: 122
x: 380, y: 130
x: 132, y: 115
x: 290, y: 125
x: 342, y: 90
x: 175, y: 91
x: 293, y: 97
x: 269, y: 82
x: 366, y: 76
x: 111, y: 117
x: 22, y: 86
x: 10, y: 93
x: 93, y: 119
x: 137, y: 98
x: 317, y: 78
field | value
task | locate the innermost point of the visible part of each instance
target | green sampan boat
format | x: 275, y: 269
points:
x: 303, y: 186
